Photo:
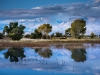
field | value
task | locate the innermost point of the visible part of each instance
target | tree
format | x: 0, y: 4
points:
x: 67, y: 32
x: 78, y: 27
x: 33, y: 36
x: 58, y: 34
x: 27, y: 36
x: 14, y: 31
x: 52, y: 35
x: 92, y: 35
x: 36, y: 34
x: 45, y: 29
x: 1, y: 35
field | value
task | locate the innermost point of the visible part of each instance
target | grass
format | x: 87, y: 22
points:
x: 69, y: 42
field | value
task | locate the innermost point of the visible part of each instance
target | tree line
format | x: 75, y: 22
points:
x: 16, y: 32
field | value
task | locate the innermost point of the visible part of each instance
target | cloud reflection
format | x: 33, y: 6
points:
x: 60, y: 61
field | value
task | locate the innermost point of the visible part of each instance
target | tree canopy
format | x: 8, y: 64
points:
x: 14, y: 31
x: 45, y: 29
x: 58, y: 34
x: 78, y: 27
x: 36, y: 34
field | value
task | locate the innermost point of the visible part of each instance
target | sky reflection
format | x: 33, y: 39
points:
x: 60, y: 61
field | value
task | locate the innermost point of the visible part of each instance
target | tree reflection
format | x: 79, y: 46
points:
x: 79, y: 55
x: 46, y: 53
x: 14, y: 53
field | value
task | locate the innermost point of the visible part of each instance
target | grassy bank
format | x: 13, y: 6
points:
x: 46, y: 42
x: 96, y: 40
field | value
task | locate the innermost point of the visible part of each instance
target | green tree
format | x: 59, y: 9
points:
x: 78, y: 27
x: 45, y: 29
x: 33, y: 36
x: 13, y: 54
x: 67, y: 32
x: 36, y: 34
x: 1, y: 35
x: 27, y: 36
x: 58, y: 34
x: 14, y: 31
x: 52, y: 35
x: 79, y: 55
x: 92, y: 35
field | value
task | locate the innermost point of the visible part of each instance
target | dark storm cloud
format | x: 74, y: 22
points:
x: 91, y: 9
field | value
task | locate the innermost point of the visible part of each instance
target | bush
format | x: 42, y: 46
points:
x: 36, y: 34
x: 27, y: 36
x: 79, y: 37
x: 45, y: 37
x: 92, y: 35
x: 1, y: 35
x: 33, y: 36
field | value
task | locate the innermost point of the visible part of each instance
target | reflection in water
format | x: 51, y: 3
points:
x: 62, y: 61
x: 46, y: 53
x: 2, y: 48
x: 92, y: 44
x: 79, y: 55
x: 14, y: 53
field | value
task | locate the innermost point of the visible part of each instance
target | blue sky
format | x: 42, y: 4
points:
x: 59, y: 13
x: 27, y: 4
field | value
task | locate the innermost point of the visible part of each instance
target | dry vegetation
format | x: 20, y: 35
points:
x: 48, y: 42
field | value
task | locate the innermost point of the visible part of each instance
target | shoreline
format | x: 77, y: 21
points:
x: 46, y: 43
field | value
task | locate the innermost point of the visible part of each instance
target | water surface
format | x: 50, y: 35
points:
x: 54, y: 60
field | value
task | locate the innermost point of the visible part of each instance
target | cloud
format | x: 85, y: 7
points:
x: 91, y: 9
x: 58, y: 16
x: 37, y: 8
x: 96, y: 1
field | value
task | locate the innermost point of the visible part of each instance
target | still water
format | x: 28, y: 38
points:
x: 50, y: 61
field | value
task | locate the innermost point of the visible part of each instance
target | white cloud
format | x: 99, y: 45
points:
x: 96, y: 1
x: 72, y: 9
x: 37, y: 8
x: 21, y: 20
x: 57, y: 15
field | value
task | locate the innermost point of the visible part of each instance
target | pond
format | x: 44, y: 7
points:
x: 54, y: 60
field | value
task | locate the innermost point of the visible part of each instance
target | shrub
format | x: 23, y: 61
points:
x: 1, y: 35
x: 92, y: 35
x: 27, y: 36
